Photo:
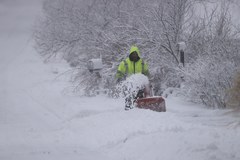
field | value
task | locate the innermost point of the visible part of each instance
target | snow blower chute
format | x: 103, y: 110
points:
x: 148, y: 101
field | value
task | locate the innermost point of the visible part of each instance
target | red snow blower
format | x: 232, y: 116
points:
x: 155, y: 103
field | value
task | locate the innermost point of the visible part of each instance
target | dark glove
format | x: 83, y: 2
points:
x: 119, y: 80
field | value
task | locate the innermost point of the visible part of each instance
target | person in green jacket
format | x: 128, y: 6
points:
x: 133, y: 64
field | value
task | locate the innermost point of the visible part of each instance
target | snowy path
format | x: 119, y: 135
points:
x: 38, y: 121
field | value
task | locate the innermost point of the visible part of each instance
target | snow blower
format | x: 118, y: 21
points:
x: 148, y: 101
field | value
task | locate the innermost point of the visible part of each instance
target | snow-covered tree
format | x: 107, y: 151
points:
x: 79, y: 30
x: 214, y: 60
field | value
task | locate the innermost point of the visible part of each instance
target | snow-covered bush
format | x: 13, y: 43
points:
x: 213, y: 62
x: 208, y: 80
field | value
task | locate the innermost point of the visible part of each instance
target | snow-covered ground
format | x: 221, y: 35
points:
x: 39, y: 121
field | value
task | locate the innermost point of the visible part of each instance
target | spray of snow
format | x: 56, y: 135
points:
x: 132, y: 85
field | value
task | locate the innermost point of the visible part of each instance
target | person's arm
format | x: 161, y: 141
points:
x: 145, y: 70
x: 121, y: 72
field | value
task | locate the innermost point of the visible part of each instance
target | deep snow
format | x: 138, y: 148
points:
x: 39, y: 119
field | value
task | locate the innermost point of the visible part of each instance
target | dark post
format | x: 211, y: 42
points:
x: 182, y: 57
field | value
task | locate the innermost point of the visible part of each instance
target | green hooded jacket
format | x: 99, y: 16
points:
x: 128, y: 67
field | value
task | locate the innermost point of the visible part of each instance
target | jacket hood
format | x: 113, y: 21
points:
x: 135, y: 48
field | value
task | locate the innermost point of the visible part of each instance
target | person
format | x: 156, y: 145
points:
x: 133, y: 64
